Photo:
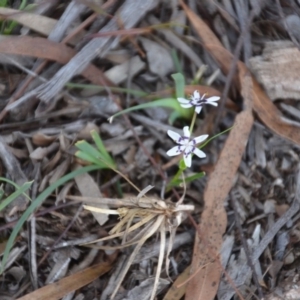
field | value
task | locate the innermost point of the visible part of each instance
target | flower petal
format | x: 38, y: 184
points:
x: 186, y: 131
x: 188, y: 105
x: 214, y: 98
x: 198, y: 109
x: 200, y: 138
x: 212, y: 103
x: 187, y: 160
x: 183, y: 100
x: 174, y: 151
x: 199, y: 153
x: 174, y: 135
x: 196, y: 95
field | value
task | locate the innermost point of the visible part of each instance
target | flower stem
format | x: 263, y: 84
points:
x: 193, y: 122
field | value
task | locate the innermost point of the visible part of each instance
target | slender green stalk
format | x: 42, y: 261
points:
x: 193, y: 122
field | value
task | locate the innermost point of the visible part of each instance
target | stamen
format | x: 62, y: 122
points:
x: 182, y: 138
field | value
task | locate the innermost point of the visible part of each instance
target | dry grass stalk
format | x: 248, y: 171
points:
x: 144, y: 217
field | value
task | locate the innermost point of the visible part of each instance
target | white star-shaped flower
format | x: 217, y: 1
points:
x: 197, y: 101
x: 186, y: 145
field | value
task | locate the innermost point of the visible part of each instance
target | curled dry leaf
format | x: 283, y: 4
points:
x: 142, y: 218
x: 41, y: 139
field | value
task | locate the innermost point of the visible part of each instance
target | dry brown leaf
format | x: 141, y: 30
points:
x: 41, y: 152
x: 19, y: 153
x: 262, y: 105
x: 43, y: 48
x: 177, y: 290
x: 66, y: 285
x: 38, y: 23
x: 88, y: 188
x: 41, y: 139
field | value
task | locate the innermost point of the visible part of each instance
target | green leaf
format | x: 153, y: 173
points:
x: 89, y: 153
x: 88, y: 149
x: 173, y: 117
x: 3, y: 3
x: 1, y: 192
x: 213, y: 137
x: 16, y: 194
x: 85, y: 156
x: 182, y: 165
x: 15, y: 185
x: 103, y: 88
x: 179, y: 85
x: 189, y: 179
x: 176, y: 61
x: 101, y: 148
x: 35, y: 204
x: 167, y: 102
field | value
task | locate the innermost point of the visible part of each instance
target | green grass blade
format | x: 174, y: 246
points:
x: 91, y: 154
x: 100, y: 145
x: 178, y: 182
x: 16, y: 194
x: 35, y: 204
x: 1, y: 192
x: 14, y: 184
x: 167, y: 102
x: 89, y: 149
x: 213, y: 137
x: 10, y: 182
x: 103, y: 88
x: 176, y: 61
x: 179, y: 85
x: 91, y: 159
x: 174, y: 116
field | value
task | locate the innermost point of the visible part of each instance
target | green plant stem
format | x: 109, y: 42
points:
x: 193, y: 122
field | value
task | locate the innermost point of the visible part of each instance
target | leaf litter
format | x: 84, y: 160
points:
x: 256, y: 165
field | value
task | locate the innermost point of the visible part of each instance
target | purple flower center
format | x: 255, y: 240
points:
x: 182, y: 138
x: 200, y: 102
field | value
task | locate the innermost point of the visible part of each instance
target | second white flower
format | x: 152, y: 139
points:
x: 186, y: 145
